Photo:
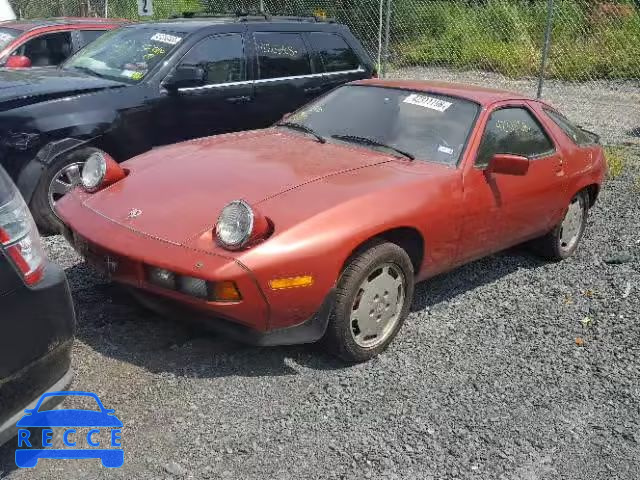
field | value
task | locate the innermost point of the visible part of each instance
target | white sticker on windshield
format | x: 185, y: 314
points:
x: 427, y: 102
x: 166, y: 38
x: 5, y: 37
x: 447, y: 150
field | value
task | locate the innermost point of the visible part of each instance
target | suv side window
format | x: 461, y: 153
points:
x: 578, y: 136
x: 513, y: 130
x: 47, y: 50
x: 221, y: 58
x: 335, y: 52
x: 281, y: 55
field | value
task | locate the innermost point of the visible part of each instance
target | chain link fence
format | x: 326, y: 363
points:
x: 581, y: 55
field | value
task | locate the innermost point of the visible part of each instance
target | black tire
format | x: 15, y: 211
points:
x: 338, y: 338
x: 45, y: 218
x: 551, y: 246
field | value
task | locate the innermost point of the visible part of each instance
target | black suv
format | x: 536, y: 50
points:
x: 36, y: 313
x: 157, y: 83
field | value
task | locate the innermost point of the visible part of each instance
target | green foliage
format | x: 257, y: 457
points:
x: 615, y: 160
x: 506, y: 36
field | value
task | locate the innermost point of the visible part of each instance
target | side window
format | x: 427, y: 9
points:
x: 88, y: 36
x: 221, y: 57
x: 334, y: 51
x: 281, y: 55
x: 513, y: 130
x: 47, y: 50
x: 578, y: 136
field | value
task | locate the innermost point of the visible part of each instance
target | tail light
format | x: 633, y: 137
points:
x: 19, y: 237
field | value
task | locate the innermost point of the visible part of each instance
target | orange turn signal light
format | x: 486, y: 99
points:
x: 226, y: 291
x: 291, y: 282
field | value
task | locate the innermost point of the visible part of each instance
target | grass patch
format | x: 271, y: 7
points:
x: 616, y: 161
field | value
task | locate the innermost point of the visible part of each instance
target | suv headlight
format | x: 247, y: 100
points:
x: 239, y: 224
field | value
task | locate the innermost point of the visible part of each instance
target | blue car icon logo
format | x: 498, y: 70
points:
x: 96, y: 422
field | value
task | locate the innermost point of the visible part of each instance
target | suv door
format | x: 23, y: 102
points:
x: 338, y: 60
x: 504, y: 210
x: 221, y: 103
x: 285, y: 78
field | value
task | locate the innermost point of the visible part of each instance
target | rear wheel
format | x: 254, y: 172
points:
x: 563, y: 240
x: 57, y: 180
x: 374, y: 294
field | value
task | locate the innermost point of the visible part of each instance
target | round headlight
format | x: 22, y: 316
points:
x: 235, y: 224
x: 93, y: 172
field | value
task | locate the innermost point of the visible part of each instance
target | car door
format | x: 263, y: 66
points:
x: 221, y: 104
x: 339, y: 62
x: 285, y: 79
x: 503, y: 210
x: 81, y: 38
x: 47, y: 50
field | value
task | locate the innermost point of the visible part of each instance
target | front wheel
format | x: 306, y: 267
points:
x: 563, y: 240
x: 57, y: 180
x: 374, y: 294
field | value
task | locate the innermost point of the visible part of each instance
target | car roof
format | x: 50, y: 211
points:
x: 481, y: 95
x: 26, y: 25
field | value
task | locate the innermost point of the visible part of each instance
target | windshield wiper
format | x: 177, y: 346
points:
x: 303, y: 128
x: 89, y: 71
x: 375, y: 143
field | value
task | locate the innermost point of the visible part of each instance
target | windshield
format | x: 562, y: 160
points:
x: 8, y: 35
x: 127, y: 54
x: 424, y: 125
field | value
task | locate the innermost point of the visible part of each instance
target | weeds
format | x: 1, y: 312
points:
x: 615, y: 161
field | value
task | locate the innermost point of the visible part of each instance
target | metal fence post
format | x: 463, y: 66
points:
x: 380, y: 21
x: 385, y: 61
x: 545, y: 48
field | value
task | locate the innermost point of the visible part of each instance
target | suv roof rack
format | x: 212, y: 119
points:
x: 244, y: 16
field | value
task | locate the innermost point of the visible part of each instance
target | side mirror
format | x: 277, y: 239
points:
x: 508, y: 164
x: 18, y: 61
x: 185, y: 76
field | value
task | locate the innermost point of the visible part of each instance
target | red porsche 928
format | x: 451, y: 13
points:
x: 319, y: 227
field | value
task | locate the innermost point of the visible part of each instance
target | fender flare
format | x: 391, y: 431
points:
x: 30, y: 175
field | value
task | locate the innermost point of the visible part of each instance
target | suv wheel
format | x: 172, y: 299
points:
x: 62, y: 176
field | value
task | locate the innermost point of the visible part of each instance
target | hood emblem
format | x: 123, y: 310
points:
x: 134, y: 213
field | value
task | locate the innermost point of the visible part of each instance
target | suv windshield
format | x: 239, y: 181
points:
x: 127, y: 54
x: 8, y: 35
x: 423, y: 125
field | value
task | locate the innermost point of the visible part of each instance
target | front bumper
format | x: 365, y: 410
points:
x: 309, y: 331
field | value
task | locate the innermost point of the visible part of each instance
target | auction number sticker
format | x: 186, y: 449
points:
x: 166, y: 38
x: 427, y: 102
x: 5, y: 37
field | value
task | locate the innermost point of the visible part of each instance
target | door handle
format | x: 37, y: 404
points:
x: 241, y: 99
x: 312, y: 89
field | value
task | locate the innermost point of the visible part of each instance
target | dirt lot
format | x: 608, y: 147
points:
x: 485, y: 381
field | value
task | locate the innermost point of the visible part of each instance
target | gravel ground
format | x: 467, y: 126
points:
x: 485, y: 381
x: 609, y: 108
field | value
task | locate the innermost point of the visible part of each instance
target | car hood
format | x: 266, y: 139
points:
x: 69, y: 418
x: 179, y: 191
x: 21, y: 87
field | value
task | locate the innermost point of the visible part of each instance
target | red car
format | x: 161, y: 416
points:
x: 45, y: 43
x: 319, y: 227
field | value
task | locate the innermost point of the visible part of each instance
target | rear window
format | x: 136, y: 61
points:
x: 575, y: 133
x: 281, y: 55
x: 335, y: 52
x: 8, y: 35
